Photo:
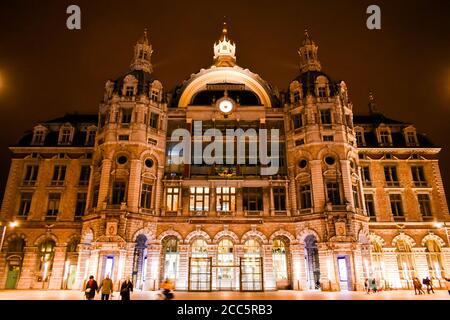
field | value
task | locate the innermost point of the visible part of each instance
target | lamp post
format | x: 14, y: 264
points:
x: 12, y: 225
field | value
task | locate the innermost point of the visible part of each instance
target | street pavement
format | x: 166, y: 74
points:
x: 275, y: 295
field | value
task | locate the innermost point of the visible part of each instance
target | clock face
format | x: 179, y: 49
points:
x: 226, y: 106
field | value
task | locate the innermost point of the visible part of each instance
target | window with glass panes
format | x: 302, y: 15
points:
x: 305, y: 196
x: 129, y: 91
x: 355, y: 196
x: 38, y: 137
x: 25, y: 204
x: 90, y: 140
x: 385, y: 138
x: 297, y: 120
x: 199, y: 199
x: 253, y: 199
x: 154, y: 118
x: 54, y: 200
x: 370, y: 204
x: 333, y: 193
x: 424, y: 204
x: 80, y: 205
x: 322, y: 92
x: 366, y: 179
x: 325, y: 116
x: 31, y: 173
x: 85, y: 173
x: 226, y: 199
x: 390, y: 174
x: 359, y: 138
x: 118, y: 192
x: 126, y: 115
x: 411, y: 137
x: 172, y: 195
x: 396, y: 204
x: 65, y: 136
x: 279, y: 198
x: 59, y: 175
x: 146, y: 196
x: 418, y: 175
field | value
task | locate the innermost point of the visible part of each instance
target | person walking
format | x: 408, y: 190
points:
x: 447, y: 284
x: 90, y: 288
x: 107, y: 288
x: 417, y: 286
x: 126, y: 288
x: 429, y: 284
x: 374, y: 285
x: 366, y: 286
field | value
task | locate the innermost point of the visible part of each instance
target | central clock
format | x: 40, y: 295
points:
x: 226, y: 105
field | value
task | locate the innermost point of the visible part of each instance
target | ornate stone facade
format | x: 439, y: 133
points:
x: 354, y: 197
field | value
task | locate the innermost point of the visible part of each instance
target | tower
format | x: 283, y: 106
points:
x: 309, y: 60
x: 224, y: 50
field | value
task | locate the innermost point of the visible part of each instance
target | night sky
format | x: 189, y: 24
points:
x: 47, y: 70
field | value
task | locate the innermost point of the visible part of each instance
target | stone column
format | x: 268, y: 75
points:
x: 288, y: 202
x: 317, y: 186
x: 347, y: 182
x: 159, y: 190
x: 3, y: 270
x: 292, y: 195
x: 104, y: 182
x: 134, y: 185
x: 298, y: 266
x: 271, y: 201
x: 183, y: 268
x: 328, y: 269
x: 269, y: 276
x: 57, y: 275
x: 82, y: 268
x: 27, y: 276
x: 212, y: 201
x: 94, y: 264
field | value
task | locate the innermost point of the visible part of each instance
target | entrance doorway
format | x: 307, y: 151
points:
x: 71, y: 276
x: 344, y: 273
x: 199, y: 274
x: 12, y: 277
x: 312, y: 263
x: 251, y: 274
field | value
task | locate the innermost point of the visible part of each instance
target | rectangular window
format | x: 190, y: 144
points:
x: 129, y: 91
x: 85, y: 174
x: 225, y: 199
x: 390, y: 174
x: 333, y: 193
x: 418, y: 176
x: 328, y: 138
x: 172, y: 199
x: 385, y: 138
x: 355, y: 196
x: 90, y: 140
x: 118, y: 192
x: 297, y: 120
x: 299, y: 142
x: 411, y: 137
x: 81, y: 205
x: 370, y: 204
x: 155, y: 95
x: 38, y: 137
x: 325, y: 116
x: 25, y: 204
x: 396, y: 205
x: 253, y: 199
x: 305, y: 197
x: 146, y: 196
x: 54, y: 200
x: 31, y: 173
x: 126, y: 116
x: 59, y: 175
x: 359, y: 138
x: 154, y: 119
x: 424, y: 204
x: 199, y: 199
x: 65, y: 136
x: 279, y: 198
x: 124, y: 137
x: 322, y: 92
x: 365, y: 176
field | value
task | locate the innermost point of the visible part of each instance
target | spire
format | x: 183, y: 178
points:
x: 224, y: 49
x: 309, y: 60
x: 372, y: 103
x: 142, y: 54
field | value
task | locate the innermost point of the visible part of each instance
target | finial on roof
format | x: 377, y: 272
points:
x: 372, y: 104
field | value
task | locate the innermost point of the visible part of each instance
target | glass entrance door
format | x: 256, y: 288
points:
x: 199, y: 274
x: 251, y: 274
x: 343, y: 274
x: 13, y: 276
x: 225, y: 277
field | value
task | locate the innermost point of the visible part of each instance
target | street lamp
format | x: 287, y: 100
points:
x: 12, y: 225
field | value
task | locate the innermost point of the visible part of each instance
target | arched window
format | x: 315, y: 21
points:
x: 140, y: 261
x: 251, y: 266
x: 170, y: 247
x: 279, y: 250
x: 16, y: 245
x: 46, y: 256
x: 434, y: 258
x: 252, y: 248
x: 312, y: 263
x: 405, y: 260
x: 199, y: 248
x: 377, y: 259
x: 225, y: 253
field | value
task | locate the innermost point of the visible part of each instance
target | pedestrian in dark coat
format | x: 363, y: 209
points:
x: 90, y: 288
x: 125, y: 289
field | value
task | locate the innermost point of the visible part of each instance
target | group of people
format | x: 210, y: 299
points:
x: 106, y: 286
x: 370, y: 285
x: 418, y: 286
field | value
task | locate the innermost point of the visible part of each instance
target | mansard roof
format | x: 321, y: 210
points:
x: 144, y: 81
x: 308, y: 81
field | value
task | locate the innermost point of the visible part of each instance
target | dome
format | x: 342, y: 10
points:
x: 144, y: 81
x: 309, y: 79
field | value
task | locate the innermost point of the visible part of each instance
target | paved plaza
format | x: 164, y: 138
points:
x: 276, y: 295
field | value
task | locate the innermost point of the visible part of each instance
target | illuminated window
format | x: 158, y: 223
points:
x: 46, y: 256
x: 226, y: 199
x: 434, y: 258
x: 199, y: 199
x: 172, y: 199
x: 279, y: 260
x: 171, y: 258
x: 405, y: 260
x: 54, y: 200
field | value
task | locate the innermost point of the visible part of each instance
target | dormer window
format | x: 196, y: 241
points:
x: 411, y: 137
x: 384, y: 136
x: 322, y: 92
x: 38, y: 137
x: 155, y: 95
x: 65, y: 135
x: 359, y: 135
x: 90, y: 137
x: 129, y: 91
x: 296, y: 96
